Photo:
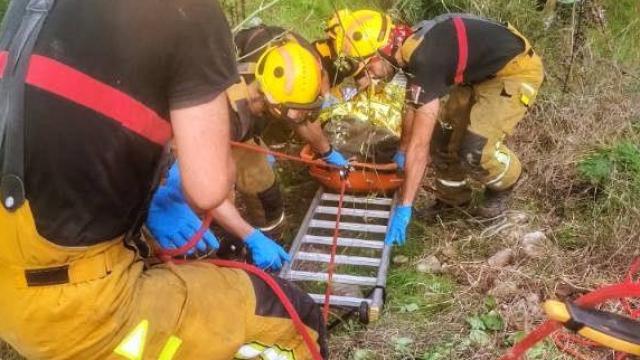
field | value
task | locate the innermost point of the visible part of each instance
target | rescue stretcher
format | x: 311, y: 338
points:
x: 362, y: 257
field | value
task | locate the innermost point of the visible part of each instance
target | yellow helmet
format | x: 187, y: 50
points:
x: 361, y: 33
x: 289, y: 74
x: 336, y: 21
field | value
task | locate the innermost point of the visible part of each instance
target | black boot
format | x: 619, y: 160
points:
x: 495, y: 204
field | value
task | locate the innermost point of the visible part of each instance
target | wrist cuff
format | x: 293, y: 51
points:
x: 324, y: 155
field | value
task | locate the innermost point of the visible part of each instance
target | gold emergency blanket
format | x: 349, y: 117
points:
x: 368, y: 124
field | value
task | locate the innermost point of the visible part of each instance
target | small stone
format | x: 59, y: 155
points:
x: 533, y: 244
x: 502, y: 258
x: 400, y: 259
x: 347, y: 290
x: 504, y: 290
x: 518, y: 217
x: 564, y: 290
x: 450, y: 251
x: 430, y: 265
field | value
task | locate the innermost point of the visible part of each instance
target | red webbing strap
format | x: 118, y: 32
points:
x: 4, y: 55
x: 334, y: 248
x: 167, y: 256
x: 463, y: 49
x: 73, y: 85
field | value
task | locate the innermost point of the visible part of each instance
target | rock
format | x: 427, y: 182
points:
x: 347, y: 290
x: 533, y: 244
x: 450, y: 251
x: 430, y: 265
x: 518, y: 217
x: 400, y: 259
x: 502, y: 258
x: 564, y: 290
x: 504, y: 291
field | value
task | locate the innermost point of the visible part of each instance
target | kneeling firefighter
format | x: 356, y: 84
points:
x: 491, y: 74
x: 284, y: 83
x: 90, y: 94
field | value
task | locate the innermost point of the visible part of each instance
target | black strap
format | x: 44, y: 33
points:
x: 133, y: 238
x: 19, y: 38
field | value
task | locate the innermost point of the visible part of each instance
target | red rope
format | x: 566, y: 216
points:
x: 282, y: 155
x: 167, y: 256
x: 334, y: 248
x: 611, y: 292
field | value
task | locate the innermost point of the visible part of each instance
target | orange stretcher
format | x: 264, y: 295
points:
x: 365, y: 178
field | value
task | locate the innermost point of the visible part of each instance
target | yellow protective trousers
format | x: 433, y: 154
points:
x: 468, y: 142
x: 257, y: 184
x: 99, y: 302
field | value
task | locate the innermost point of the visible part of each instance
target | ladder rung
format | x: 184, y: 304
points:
x: 336, y: 300
x: 357, y: 200
x: 340, y: 259
x: 348, y: 242
x: 382, y: 214
x: 337, y: 278
x: 323, y: 224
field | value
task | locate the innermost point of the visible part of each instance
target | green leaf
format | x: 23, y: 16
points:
x: 492, y: 321
x: 401, y: 344
x: 476, y: 323
x: 409, y: 308
x: 362, y: 354
x: 490, y: 303
x: 480, y: 337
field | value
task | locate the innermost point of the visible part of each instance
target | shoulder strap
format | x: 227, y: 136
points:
x: 19, y: 39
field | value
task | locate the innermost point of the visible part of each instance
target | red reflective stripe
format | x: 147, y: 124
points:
x: 3, y: 62
x: 463, y: 50
x: 71, y: 84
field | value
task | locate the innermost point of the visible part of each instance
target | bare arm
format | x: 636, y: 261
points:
x: 201, y: 136
x: 311, y: 133
x: 418, y: 156
x: 227, y: 216
x: 407, y: 125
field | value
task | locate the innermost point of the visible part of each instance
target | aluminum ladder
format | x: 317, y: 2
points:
x: 362, y: 258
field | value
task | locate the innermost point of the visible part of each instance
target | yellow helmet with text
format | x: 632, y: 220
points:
x: 290, y: 74
x: 359, y: 34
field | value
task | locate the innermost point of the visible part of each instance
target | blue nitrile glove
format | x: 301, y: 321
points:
x: 397, y: 230
x: 271, y: 160
x: 266, y: 254
x: 328, y: 101
x: 171, y: 221
x: 335, y: 158
x: 399, y: 158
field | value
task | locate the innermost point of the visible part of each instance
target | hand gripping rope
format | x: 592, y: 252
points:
x: 167, y: 255
x: 622, y: 291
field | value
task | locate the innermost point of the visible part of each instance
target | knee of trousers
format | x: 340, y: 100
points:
x: 254, y: 177
x: 510, y: 174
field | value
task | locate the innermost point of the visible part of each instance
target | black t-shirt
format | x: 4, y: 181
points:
x: 432, y: 64
x: 102, y: 79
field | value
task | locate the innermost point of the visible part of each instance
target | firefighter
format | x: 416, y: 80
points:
x: 491, y: 74
x: 261, y: 97
x: 285, y: 82
x: 91, y: 94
